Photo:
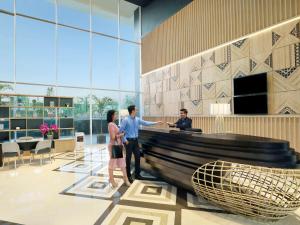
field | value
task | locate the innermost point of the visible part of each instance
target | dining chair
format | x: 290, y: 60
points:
x: 42, y: 148
x: 11, y: 150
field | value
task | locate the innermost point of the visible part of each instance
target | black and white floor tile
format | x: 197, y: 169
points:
x: 69, y: 155
x: 151, y: 191
x: 128, y: 215
x: 102, y: 156
x: 94, y: 187
x: 96, y: 149
x: 104, y: 171
x: 79, y: 167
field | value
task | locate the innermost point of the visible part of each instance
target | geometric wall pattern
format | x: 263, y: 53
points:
x: 207, y: 78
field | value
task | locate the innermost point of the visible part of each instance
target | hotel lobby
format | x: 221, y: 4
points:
x: 149, y: 112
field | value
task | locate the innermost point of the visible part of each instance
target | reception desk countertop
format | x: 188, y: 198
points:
x: 175, y: 155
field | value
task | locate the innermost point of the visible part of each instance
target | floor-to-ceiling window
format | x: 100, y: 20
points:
x: 89, y: 49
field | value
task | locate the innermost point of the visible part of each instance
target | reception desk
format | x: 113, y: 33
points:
x: 175, y: 155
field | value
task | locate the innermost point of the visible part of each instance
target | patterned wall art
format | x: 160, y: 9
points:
x: 207, y: 78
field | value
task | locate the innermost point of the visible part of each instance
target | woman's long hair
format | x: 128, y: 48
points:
x: 109, y: 116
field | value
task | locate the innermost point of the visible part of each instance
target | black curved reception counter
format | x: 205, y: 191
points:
x: 175, y: 155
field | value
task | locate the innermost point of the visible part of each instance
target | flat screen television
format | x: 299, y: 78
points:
x: 252, y: 104
x: 252, y: 84
x: 251, y: 94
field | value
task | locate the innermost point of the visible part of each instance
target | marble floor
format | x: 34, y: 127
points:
x: 74, y: 190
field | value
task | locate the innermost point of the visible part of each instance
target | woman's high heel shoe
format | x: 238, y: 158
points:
x: 127, y: 183
x: 113, y: 184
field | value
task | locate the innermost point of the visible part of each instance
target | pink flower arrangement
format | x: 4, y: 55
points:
x: 54, y: 128
x: 45, y: 129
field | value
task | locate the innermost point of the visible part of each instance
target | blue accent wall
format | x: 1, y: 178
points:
x: 158, y: 11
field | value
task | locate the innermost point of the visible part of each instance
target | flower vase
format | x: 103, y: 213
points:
x: 49, y: 136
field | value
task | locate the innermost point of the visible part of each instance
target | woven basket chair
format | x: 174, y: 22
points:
x: 259, y: 192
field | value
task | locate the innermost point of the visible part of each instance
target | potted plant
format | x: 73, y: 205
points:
x: 48, y: 131
x: 101, y: 106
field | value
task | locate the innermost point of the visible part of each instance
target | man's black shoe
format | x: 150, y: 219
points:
x: 130, y: 179
x: 139, y: 177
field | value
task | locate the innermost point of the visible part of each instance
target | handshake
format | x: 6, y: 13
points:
x: 168, y: 123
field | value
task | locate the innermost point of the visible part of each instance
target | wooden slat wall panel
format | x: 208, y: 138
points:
x: 204, y: 24
x: 279, y: 127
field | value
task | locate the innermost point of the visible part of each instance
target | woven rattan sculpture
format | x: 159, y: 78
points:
x: 260, y: 192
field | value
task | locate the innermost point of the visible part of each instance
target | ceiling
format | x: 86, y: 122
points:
x: 140, y: 2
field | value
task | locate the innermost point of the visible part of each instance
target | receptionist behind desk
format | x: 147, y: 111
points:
x: 184, y: 122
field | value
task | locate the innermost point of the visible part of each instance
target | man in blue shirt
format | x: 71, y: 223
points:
x: 130, y: 125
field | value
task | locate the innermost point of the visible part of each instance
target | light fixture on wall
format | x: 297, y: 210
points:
x: 219, y: 110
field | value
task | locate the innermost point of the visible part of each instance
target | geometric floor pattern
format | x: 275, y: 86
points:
x: 128, y: 215
x: 93, y: 187
x: 69, y: 155
x: 95, y: 157
x: 82, y: 186
x: 151, y: 191
x: 104, y: 171
x: 79, y: 167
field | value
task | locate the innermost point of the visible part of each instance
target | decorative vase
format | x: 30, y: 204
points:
x: 49, y: 136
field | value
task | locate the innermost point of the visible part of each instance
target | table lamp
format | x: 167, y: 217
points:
x: 219, y: 110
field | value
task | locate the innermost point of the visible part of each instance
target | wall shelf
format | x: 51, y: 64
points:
x: 33, y: 111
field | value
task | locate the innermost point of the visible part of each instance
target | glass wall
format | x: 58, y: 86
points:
x: 129, y: 54
x: 87, y: 49
x: 7, y: 47
x: 35, y: 51
x: 82, y: 104
x: 42, y: 9
x: 7, y: 5
x: 73, y: 60
x: 105, y: 62
x: 105, y: 17
x: 74, y: 13
x: 129, y: 21
x: 102, y: 101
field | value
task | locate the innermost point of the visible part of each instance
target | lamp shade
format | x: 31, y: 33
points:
x: 218, y: 109
x: 124, y: 113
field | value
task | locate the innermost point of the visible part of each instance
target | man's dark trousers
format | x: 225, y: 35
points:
x: 133, y: 147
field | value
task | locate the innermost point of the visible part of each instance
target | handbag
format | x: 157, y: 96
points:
x: 117, y: 151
